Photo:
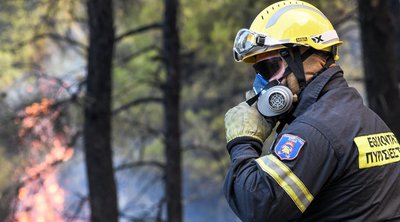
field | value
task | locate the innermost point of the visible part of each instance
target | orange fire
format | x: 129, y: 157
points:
x: 40, y: 197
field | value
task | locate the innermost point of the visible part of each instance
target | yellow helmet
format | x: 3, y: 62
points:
x: 286, y: 23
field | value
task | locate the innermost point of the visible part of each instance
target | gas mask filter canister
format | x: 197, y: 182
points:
x: 272, y: 101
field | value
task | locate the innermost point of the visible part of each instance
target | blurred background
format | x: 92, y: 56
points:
x: 115, y: 109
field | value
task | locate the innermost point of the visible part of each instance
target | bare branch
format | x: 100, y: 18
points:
x: 50, y: 166
x: 155, y: 81
x: 217, y: 155
x: 74, y: 138
x: 53, y: 36
x: 136, y: 102
x: 348, y: 16
x: 125, y: 166
x: 134, y: 54
x: 75, y: 215
x: 136, y: 200
x: 138, y: 30
x: 160, y: 210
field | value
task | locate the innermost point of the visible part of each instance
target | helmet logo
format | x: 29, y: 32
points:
x: 317, y: 39
x: 301, y: 39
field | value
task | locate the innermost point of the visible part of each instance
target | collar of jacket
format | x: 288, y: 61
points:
x: 314, y: 89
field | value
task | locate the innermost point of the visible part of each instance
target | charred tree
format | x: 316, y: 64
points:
x: 97, y: 126
x: 380, y: 34
x: 171, y: 102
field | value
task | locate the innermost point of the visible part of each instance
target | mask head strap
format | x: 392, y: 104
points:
x: 295, y: 63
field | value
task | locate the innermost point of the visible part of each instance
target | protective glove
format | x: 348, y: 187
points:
x: 244, y: 120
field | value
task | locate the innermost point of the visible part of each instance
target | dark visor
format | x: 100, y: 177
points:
x: 269, y: 67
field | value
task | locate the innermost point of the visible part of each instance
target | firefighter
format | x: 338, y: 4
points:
x: 333, y: 159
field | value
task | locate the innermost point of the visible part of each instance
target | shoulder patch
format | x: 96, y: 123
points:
x: 288, y: 147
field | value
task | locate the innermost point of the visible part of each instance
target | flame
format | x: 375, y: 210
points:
x: 41, y: 198
x: 41, y: 201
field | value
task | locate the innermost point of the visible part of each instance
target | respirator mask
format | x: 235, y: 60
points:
x: 273, y: 99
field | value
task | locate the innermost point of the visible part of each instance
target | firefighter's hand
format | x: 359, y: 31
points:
x: 245, y: 121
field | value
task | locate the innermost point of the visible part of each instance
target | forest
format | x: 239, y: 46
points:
x: 113, y: 110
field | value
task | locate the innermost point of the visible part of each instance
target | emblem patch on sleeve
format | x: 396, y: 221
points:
x: 288, y: 147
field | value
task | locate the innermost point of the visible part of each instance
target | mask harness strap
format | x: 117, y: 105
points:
x: 295, y: 63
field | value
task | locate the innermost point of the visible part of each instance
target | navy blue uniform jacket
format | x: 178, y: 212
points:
x: 337, y: 161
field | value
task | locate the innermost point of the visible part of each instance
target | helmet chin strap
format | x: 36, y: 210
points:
x: 294, y: 60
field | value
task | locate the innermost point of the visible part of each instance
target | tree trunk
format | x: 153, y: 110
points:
x: 173, y: 187
x: 97, y: 126
x: 380, y: 34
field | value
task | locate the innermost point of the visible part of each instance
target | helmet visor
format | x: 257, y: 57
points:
x: 248, y: 42
x: 245, y: 43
